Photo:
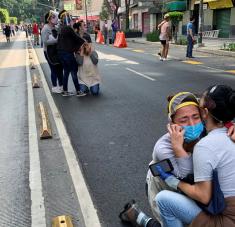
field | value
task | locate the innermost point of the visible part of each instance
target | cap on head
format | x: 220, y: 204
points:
x: 62, y: 14
x: 50, y: 14
x: 180, y: 100
x: 220, y: 102
x: 166, y: 16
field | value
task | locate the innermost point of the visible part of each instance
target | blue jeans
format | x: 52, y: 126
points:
x: 56, y: 73
x: 176, y: 209
x: 113, y: 36
x: 93, y: 89
x: 70, y: 66
x: 189, y: 46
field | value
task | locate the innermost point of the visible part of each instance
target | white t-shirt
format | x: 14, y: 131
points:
x: 216, y: 151
x: 163, y: 150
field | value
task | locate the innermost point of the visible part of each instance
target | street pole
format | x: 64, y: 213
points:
x: 53, y: 4
x: 200, y: 24
x: 86, y: 13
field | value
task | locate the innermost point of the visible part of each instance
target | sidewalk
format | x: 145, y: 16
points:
x: 211, y: 46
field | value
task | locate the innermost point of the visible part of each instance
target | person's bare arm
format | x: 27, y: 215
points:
x: 200, y: 191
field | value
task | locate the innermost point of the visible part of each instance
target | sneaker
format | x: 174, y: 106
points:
x: 55, y: 90
x: 66, y: 93
x: 81, y: 93
x: 60, y: 88
x: 130, y: 212
x: 161, y: 59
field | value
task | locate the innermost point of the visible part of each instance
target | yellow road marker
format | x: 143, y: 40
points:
x: 35, y: 82
x: 32, y: 66
x: 45, y: 125
x: 62, y: 221
x: 193, y: 62
x: 138, y: 51
x: 230, y: 71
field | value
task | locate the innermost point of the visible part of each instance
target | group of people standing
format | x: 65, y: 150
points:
x: 68, y: 50
x: 165, y: 37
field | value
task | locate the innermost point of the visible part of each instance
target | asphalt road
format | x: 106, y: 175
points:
x: 114, y: 134
x: 14, y: 161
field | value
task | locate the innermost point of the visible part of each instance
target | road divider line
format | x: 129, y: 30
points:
x: 138, y: 51
x: 141, y: 74
x: 89, y: 212
x: 192, y: 62
x: 35, y: 180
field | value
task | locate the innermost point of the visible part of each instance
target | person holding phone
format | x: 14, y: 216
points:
x: 184, y: 117
x: 215, y: 153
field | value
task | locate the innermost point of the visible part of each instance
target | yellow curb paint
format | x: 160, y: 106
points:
x: 193, y: 62
x: 138, y: 51
x: 230, y: 71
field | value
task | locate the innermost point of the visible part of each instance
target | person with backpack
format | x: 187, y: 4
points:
x: 49, y: 39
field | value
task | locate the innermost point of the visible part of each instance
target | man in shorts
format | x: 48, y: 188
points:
x: 164, y: 37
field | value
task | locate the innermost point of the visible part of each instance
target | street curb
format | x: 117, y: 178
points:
x: 199, y: 49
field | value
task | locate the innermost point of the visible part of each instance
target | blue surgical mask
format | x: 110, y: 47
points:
x: 193, y: 132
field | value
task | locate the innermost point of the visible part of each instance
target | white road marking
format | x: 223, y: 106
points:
x: 88, y: 210
x: 115, y: 58
x: 35, y: 181
x: 140, y: 74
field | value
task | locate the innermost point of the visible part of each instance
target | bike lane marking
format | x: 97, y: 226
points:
x: 35, y: 180
x: 89, y: 212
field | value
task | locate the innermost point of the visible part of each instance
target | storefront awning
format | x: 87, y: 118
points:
x: 221, y: 4
x: 205, y: 1
x: 90, y: 18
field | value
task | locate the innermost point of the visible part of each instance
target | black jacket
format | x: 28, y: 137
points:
x: 68, y: 40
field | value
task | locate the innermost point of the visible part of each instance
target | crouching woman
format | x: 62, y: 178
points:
x: 88, y: 73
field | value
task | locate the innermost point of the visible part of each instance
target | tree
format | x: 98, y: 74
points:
x: 175, y: 18
x: 13, y: 20
x: 4, y: 16
x: 104, y: 14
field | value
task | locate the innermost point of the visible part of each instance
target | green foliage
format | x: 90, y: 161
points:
x: 152, y: 36
x: 176, y: 17
x: 4, y: 16
x: 181, y: 40
x: 104, y: 14
x: 229, y: 46
x: 13, y: 20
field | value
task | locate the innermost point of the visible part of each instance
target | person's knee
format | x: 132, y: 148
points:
x: 95, y: 89
x: 161, y: 198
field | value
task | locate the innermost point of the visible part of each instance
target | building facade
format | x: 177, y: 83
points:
x: 84, y: 9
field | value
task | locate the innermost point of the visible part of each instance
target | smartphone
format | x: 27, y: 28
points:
x: 165, y: 165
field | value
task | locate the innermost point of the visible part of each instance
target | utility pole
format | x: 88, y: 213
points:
x: 53, y: 3
x: 86, y: 12
x: 200, y: 24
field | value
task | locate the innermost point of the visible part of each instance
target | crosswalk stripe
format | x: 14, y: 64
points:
x: 193, y: 62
